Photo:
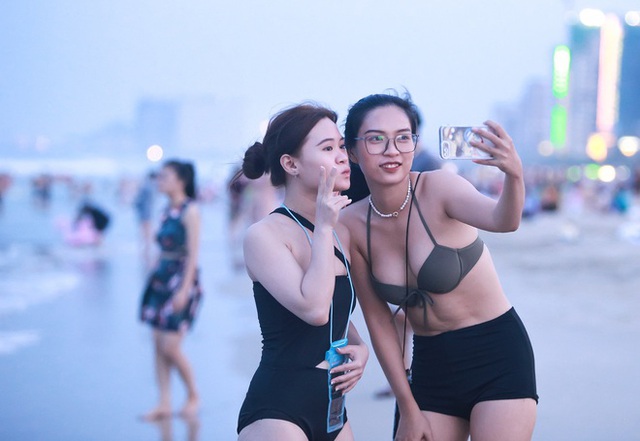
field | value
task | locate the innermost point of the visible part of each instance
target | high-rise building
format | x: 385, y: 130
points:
x: 629, y: 107
x: 527, y: 120
x: 211, y: 127
x: 156, y: 123
x: 584, y: 43
x: 194, y: 127
x: 596, y: 85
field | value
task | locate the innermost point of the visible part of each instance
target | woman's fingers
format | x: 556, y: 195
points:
x: 347, y: 381
x: 326, y: 183
x: 322, y: 183
x: 331, y: 182
x: 351, y: 371
x: 503, y: 151
x: 498, y: 130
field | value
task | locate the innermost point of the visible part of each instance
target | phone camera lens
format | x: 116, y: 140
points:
x: 445, y: 148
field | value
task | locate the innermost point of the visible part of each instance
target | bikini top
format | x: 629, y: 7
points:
x: 441, y: 272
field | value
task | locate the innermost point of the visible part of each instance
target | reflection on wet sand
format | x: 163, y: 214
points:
x: 167, y: 432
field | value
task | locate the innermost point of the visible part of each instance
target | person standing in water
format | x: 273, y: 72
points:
x: 172, y: 296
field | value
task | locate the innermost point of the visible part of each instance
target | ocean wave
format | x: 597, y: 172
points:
x: 21, y: 291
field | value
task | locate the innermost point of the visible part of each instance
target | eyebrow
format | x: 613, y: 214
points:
x: 329, y: 139
x: 383, y: 132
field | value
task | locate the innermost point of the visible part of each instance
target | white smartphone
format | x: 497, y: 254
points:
x: 455, y: 143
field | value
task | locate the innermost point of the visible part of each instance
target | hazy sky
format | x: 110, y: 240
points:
x: 72, y: 66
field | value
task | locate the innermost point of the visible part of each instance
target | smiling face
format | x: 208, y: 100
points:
x: 390, y: 166
x: 323, y: 147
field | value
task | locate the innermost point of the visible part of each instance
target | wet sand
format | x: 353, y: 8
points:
x: 82, y: 365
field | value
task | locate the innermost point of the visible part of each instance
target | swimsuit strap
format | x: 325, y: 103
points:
x: 424, y: 298
x: 305, y: 223
x: 406, y: 275
x: 424, y: 222
x: 308, y: 225
x: 370, y: 260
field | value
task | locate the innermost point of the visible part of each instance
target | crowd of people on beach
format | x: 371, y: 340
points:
x: 322, y: 220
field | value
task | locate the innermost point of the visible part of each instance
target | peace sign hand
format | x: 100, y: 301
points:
x: 329, y: 202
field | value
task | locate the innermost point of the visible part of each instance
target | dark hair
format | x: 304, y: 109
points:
x: 359, y: 111
x: 186, y: 173
x: 285, y: 135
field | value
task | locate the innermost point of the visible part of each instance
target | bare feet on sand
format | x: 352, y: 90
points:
x: 157, y: 414
x: 190, y: 408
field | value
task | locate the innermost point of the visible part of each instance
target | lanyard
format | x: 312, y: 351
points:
x: 346, y: 264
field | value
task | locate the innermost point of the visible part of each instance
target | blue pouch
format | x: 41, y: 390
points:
x: 335, y: 410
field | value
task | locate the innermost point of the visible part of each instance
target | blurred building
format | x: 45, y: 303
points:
x: 596, y: 87
x: 156, y: 123
x: 199, y: 126
x: 629, y: 113
x: 527, y: 120
x: 584, y: 44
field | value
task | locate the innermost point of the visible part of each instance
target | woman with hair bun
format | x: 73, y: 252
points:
x: 297, y: 258
x: 172, y: 295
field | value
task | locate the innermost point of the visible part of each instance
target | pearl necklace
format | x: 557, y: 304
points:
x: 395, y: 213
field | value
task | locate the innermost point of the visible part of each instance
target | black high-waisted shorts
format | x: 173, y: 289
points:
x: 455, y: 370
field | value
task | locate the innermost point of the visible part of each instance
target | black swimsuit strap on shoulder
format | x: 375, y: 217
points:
x: 305, y: 223
x: 308, y: 225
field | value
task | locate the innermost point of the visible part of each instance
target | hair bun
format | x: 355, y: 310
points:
x: 254, y: 164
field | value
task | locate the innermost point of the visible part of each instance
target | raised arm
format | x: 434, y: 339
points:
x: 306, y: 292
x: 464, y: 203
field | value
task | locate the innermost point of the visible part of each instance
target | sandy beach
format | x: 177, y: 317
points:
x: 76, y: 365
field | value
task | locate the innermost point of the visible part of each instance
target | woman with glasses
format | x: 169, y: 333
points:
x: 415, y: 243
x: 172, y: 296
x: 297, y: 258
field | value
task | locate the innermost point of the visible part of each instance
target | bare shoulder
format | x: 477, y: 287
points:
x: 437, y: 176
x: 440, y: 183
x: 354, y: 213
x: 266, y: 230
x: 191, y: 213
x: 354, y: 218
x: 342, y: 230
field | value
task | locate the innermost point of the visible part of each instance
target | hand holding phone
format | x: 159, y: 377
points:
x: 335, y: 411
x: 455, y: 143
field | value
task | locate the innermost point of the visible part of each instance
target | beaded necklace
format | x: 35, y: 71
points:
x: 395, y: 213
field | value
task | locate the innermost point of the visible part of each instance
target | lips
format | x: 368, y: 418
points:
x: 390, y: 165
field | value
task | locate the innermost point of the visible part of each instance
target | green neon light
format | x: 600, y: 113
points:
x: 561, y: 66
x: 558, y: 135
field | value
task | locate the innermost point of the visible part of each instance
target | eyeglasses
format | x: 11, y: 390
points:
x: 378, y: 144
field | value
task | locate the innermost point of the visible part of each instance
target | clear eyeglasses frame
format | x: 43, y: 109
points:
x: 378, y: 144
